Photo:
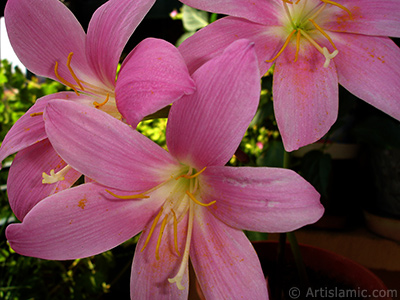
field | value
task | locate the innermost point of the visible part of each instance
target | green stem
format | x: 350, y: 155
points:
x: 298, y: 259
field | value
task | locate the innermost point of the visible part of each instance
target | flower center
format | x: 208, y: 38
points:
x: 174, y: 209
x: 301, y: 17
x: 108, y: 105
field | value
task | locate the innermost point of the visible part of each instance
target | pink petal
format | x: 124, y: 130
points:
x: 305, y: 96
x: 105, y: 149
x: 260, y: 199
x: 24, y: 186
x: 369, y: 68
x: 79, y: 222
x: 29, y: 129
x: 45, y: 32
x: 109, y: 30
x: 207, y: 127
x: 369, y: 17
x: 221, y: 33
x: 225, y: 263
x: 260, y: 11
x: 149, y: 277
x: 153, y: 76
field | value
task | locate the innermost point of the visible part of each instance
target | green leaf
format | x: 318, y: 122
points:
x: 194, y: 19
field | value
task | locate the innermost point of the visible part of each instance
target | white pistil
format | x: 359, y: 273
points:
x: 55, y: 177
x: 328, y: 56
x: 185, y: 259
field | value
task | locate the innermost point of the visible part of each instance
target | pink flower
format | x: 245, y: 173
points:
x: 50, y: 42
x: 315, y: 44
x: 186, y: 201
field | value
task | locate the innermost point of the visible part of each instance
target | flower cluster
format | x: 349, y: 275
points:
x: 185, y: 201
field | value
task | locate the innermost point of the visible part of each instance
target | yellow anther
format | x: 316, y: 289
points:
x: 197, y: 201
x: 164, y: 222
x: 152, y: 228
x: 283, y: 47
x: 287, y: 1
x: 338, y: 5
x: 97, y: 104
x: 137, y: 196
x: 36, y: 114
x: 323, y: 32
x: 65, y: 82
x: 175, y: 232
x: 298, y: 35
x: 72, y: 71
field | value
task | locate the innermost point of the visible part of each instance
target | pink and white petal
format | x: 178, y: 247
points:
x: 205, y: 128
x: 149, y: 277
x: 305, y: 96
x: 370, y: 69
x: 225, y: 262
x: 105, y: 149
x: 153, y: 76
x: 79, y: 222
x: 109, y: 30
x: 221, y: 33
x: 260, y: 199
x: 24, y: 185
x: 371, y: 17
x: 43, y: 32
x: 29, y: 129
x: 264, y: 12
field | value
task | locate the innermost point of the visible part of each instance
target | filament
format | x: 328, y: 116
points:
x: 97, y: 104
x: 137, y: 196
x: 323, y: 32
x: 175, y: 232
x: 65, y: 82
x: 283, y: 47
x: 197, y: 201
x: 164, y: 222
x: 72, y: 71
x: 338, y: 5
x: 152, y: 228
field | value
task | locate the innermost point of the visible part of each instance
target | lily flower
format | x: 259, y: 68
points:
x: 315, y: 45
x: 186, y: 201
x: 50, y: 42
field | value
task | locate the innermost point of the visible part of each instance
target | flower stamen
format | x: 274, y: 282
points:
x: 72, y: 71
x: 164, y: 222
x: 136, y: 196
x: 97, y: 104
x: 323, y: 32
x: 55, y: 177
x: 64, y: 81
x: 36, y: 114
x: 283, y: 47
x: 338, y: 5
x: 298, y: 35
x: 153, y: 226
x: 191, y: 196
x: 175, y: 232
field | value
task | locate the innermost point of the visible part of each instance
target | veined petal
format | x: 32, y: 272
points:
x: 43, y: 32
x: 263, y: 12
x: 29, y: 129
x: 149, y: 277
x: 369, y: 68
x: 260, y: 199
x: 153, y: 76
x: 206, y: 128
x: 109, y: 30
x: 225, y: 263
x: 79, y: 222
x: 305, y: 96
x: 105, y: 149
x: 24, y: 185
x: 221, y: 33
x: 369, y: 17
